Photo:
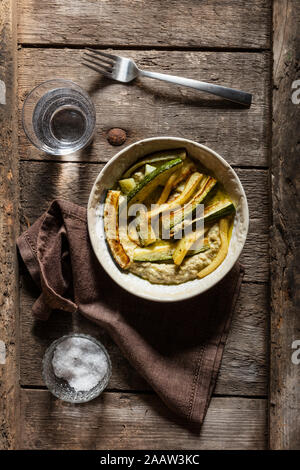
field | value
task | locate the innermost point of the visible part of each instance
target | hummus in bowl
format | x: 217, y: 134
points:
x: 169, y: 273
x: 167, y: 263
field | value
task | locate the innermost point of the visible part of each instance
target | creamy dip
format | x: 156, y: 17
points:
x: 169, y: 273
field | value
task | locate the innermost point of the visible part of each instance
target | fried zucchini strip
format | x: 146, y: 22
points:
x: 186, y: 194
x: 154, y: 179
x: 177, y: 216
x: 144, y: 227
x: 167, y: 189
x: 156, y: 157
x: 145, y: 230
x: 224, y: 225
x: 132, y: 234
x: 111, y: 227
x: 180, y: 175
x: 185, y: 244
x: 188, y: 191
x: 187, y: 168
x: 161, y: 252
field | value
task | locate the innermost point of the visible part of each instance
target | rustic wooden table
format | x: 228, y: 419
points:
x: 224, y: 41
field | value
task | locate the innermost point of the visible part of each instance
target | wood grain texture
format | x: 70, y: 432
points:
x: 41, y: 182
x: 130, y: 421
x: 9, y: 371
x: 285, y: 257
x: 244, y: 365
x: 183, y: 23
x: 148, y: 108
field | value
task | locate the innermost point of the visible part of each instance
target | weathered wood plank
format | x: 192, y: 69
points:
x: 285, y: 259
x: 209, y: 23
x: 239, y: 135
x: 41, y: 182
x: 130, y: 421
x: 9, y: 371
x: 244, y: 364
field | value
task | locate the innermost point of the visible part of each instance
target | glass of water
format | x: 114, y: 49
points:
x: 59, y: 117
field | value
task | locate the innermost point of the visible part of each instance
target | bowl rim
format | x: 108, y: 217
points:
x: 181, y: 141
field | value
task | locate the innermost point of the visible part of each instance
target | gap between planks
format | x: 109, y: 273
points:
x: 32, y: 160
x: 25, y: 45
x: 149, y: 392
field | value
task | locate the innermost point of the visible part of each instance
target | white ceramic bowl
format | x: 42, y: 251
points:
x: 114, y: 169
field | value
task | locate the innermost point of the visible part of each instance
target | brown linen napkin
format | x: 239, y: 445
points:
x: 177, y: 347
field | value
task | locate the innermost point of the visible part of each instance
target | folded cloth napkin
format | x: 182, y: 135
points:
x: 177, y: 347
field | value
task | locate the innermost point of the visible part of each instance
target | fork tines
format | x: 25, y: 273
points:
x: 102, y: 62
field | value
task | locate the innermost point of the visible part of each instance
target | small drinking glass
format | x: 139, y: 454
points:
x: 59, y: 387
x: 59, y: 117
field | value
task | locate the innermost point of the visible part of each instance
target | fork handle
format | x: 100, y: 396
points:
x: 230, y: 94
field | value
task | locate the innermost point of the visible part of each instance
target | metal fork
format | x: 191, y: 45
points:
x: 125, y: 70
